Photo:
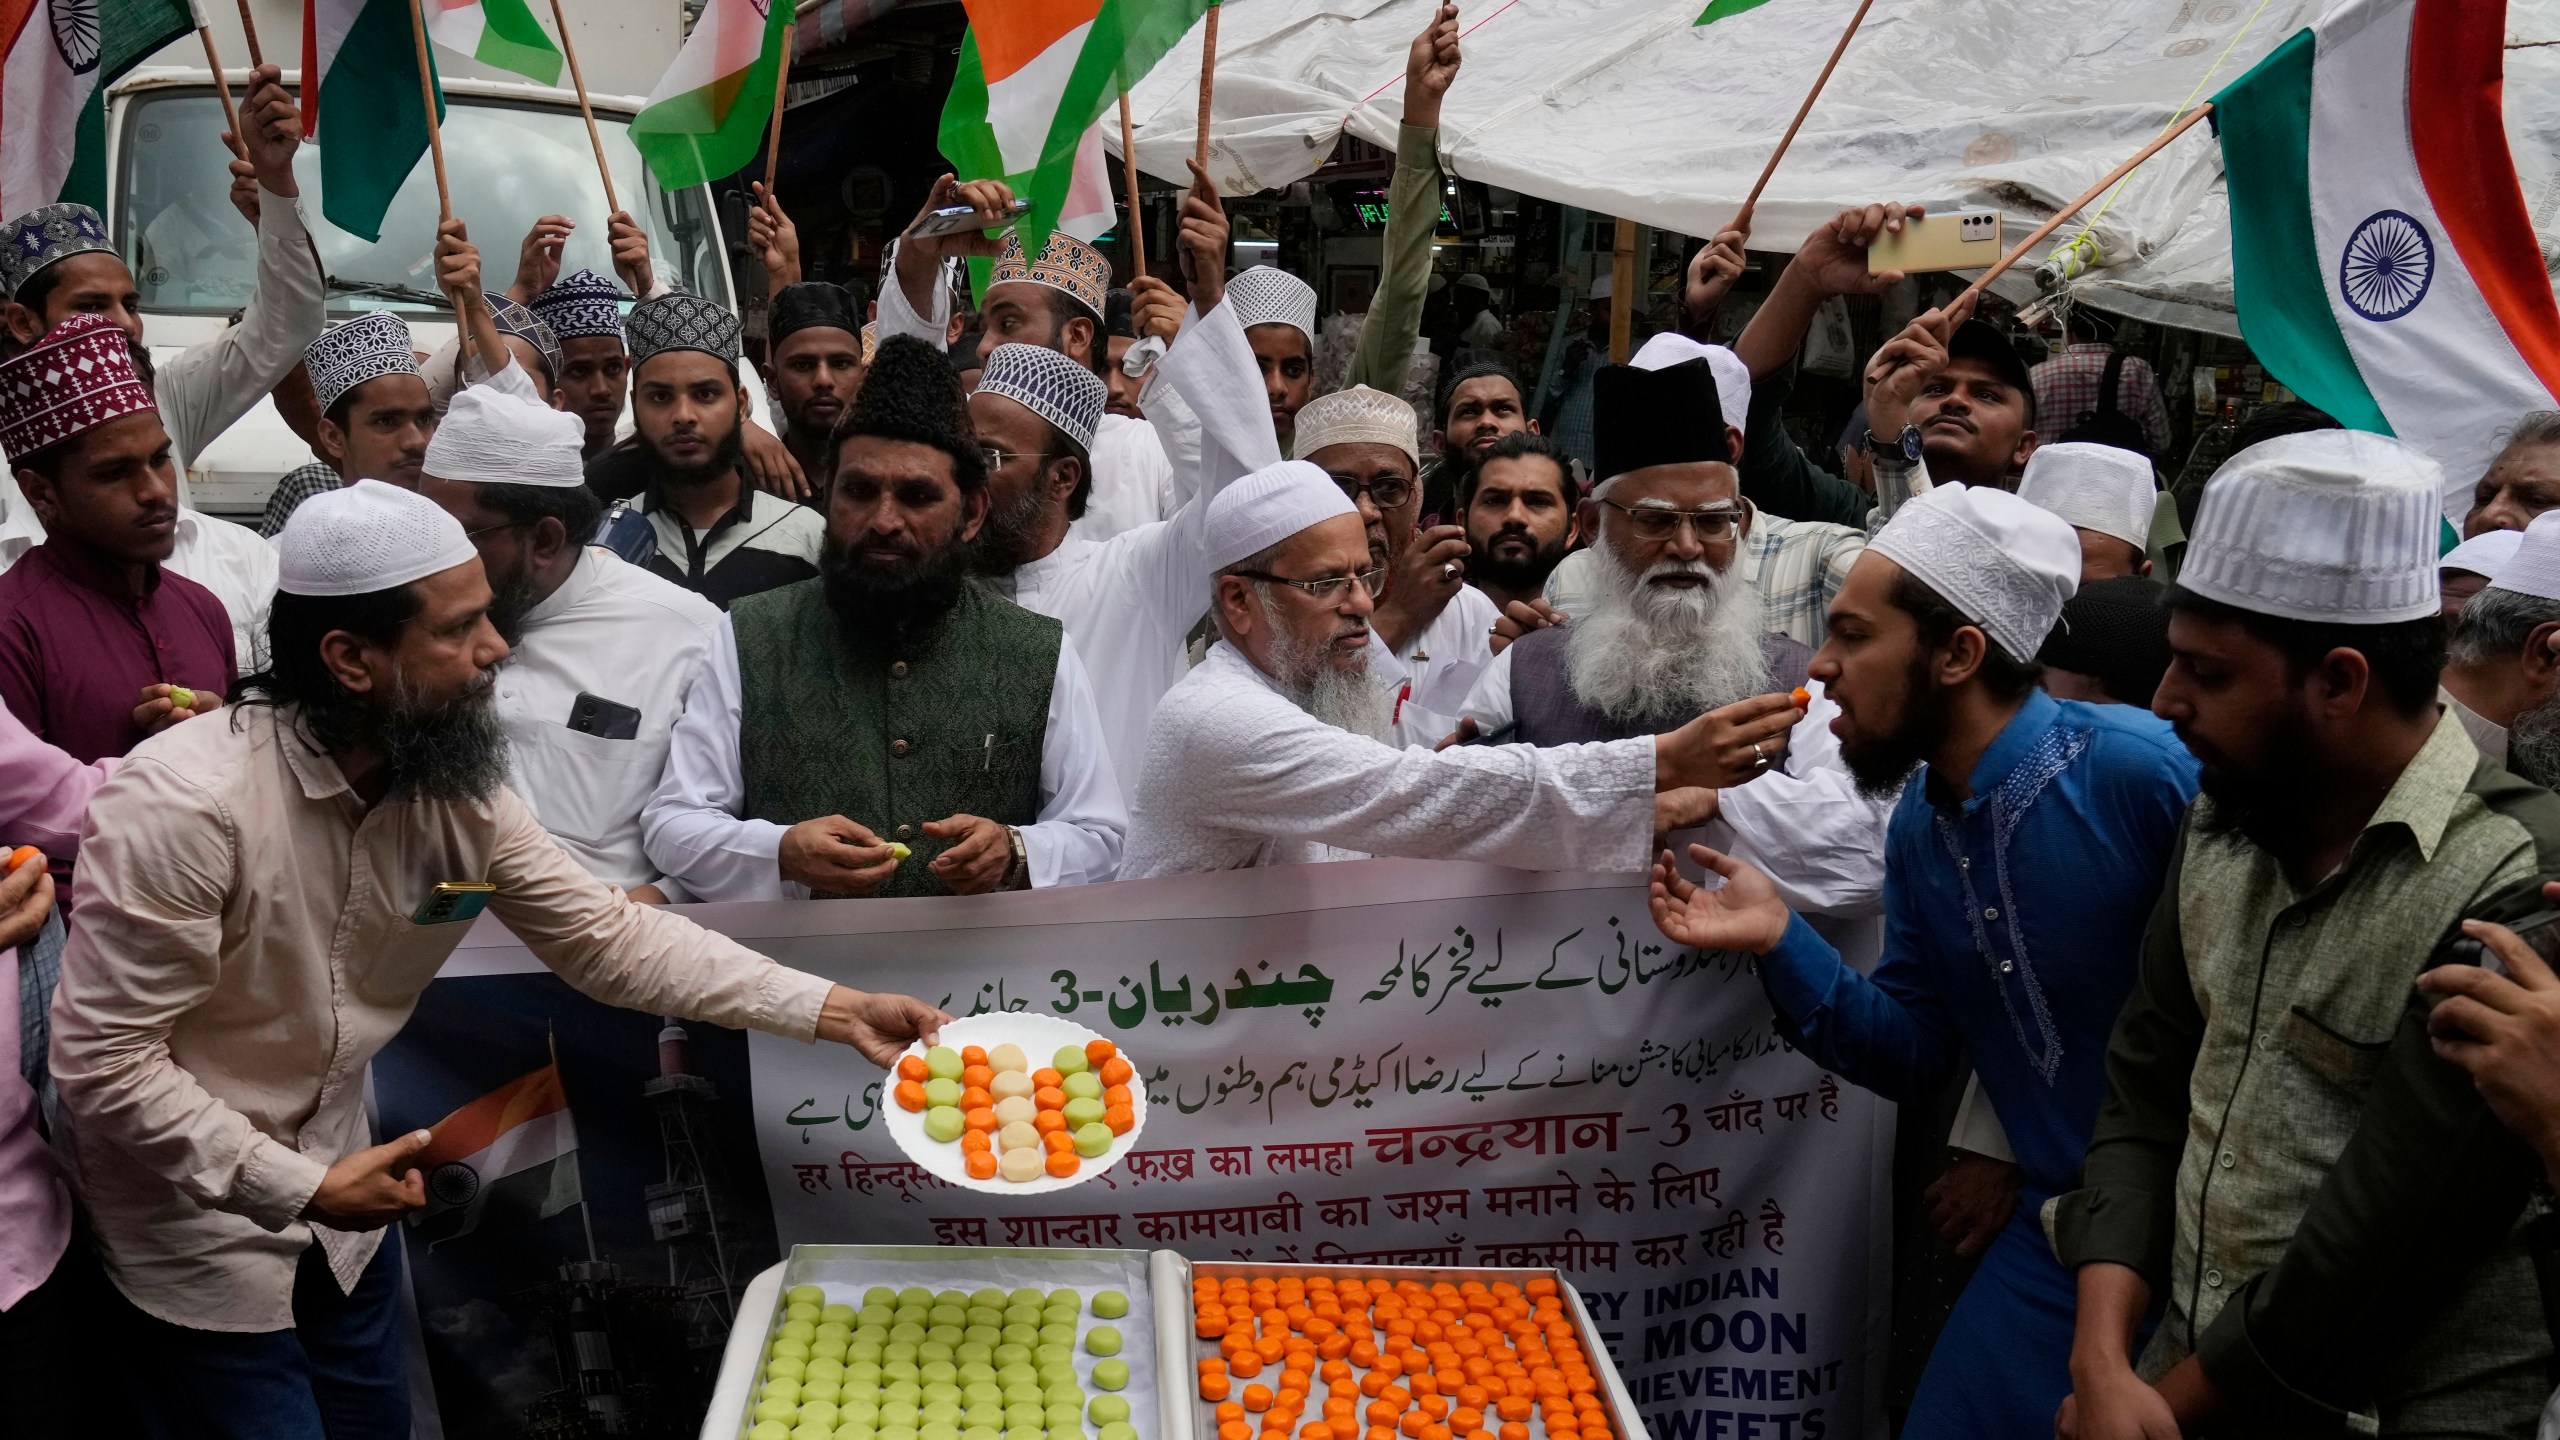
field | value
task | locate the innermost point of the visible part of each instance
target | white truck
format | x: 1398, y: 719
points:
x: 514, y: 151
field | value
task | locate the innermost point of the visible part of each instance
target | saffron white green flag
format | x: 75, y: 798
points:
x: 1034, y: 78
x: 2383, y: 261
x: 511, y: 1155
x: 369, y: 110
x: 502, y: 33
x: 58, y: 52
x: 707, y: 116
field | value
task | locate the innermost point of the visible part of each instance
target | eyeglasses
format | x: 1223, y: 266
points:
x: 1386, y: 492
x: 996, y: 457
x: 494, y: 529
x: 1661, y: 522
x: 1326, y: 591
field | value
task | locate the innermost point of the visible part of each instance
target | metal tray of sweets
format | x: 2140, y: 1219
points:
x: 1614, y: 1396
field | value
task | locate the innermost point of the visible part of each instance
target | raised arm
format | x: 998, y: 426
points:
x: 1413, y: 211
x: 1832, y: 261
x: 917, y: 303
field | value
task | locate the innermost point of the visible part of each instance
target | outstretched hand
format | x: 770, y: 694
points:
x: 1430, y: 67
x: 879, y: 1025
x: 1906, y: 362
x: 1203, y: 242
x: 1834, y: 256
x: 1746, y: 914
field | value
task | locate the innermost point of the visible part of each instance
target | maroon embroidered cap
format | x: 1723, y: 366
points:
x: 75, y: 379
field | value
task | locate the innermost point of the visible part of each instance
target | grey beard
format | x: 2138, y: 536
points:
x: 2533, y: 744
x: 1646, y: 653
x: 455, y: 752
x: 1344, y: 699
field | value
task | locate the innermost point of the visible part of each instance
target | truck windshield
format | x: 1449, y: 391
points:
x: 510, y: 164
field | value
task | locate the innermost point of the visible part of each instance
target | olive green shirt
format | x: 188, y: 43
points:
x: 2327, y: 1209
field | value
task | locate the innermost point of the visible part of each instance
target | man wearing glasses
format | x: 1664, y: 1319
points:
x: 1273, y: 750
x: 1673, y: 629
x: 1437, y: 628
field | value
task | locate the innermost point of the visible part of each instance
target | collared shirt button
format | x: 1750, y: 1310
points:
x: 906, y: 832
x: 1991, y: 912
x: 2229, y: 1160
x: 897, y: 747
x: 2006, y: 967
x: 2213, y: 1278
x: 1963, y: 863
x: 898, y: 667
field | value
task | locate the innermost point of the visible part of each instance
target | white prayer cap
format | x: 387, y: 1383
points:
x: 1267, y: 507
x: 1358, y: 414
x: 365, y: 538
x: 2005, y: 564
x: 2532, y: 566
x: 2330, y: 526
x: 1733, y: 378
x: 1059, y: 390
x: 492, y: 438
x: 1605, y: 286
x: 2095, y: 487
x: 1264, y: 296
x: 2484, y: 555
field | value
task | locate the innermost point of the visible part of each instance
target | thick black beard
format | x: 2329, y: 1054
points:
x: 724, y: 458
x: 1517, y: 576
x: 455, y: 752
x: 1004, y: 545
x: 2253, y: 806
x: 891, y: 614
x: 510, y: 600
x: 1883, y: 766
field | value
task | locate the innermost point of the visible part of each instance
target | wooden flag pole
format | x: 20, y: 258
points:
x: 444, y: 190
x: 1622, y: 291
x: 2066, y: 212
x: 1208, y: 78
x: 1129, y: 167
x: 222, y: 87
x: 249, y: 30
x: 1742, y: 217
x: 773, y: 136
x: 569, y: 52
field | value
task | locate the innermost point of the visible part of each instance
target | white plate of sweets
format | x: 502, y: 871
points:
x: 1016, y: 1079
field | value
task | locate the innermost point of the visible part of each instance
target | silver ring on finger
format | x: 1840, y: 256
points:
x: 1448, y: 569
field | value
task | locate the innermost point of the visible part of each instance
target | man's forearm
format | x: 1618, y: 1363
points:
x: 1404, y: 279
x: 1778, y: 327
x: 2112, y: 1301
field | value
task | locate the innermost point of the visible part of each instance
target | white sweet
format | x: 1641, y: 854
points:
x: 1008, y: 1057
x: 1021, y: 1165
x: 1009, y: 1083
x: 1016, y: 1110
x: 1018, y: 1136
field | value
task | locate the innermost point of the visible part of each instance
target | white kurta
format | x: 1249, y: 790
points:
x: 1132, y: 480
x: 1127, y: 603
x: 1237, y: 775
x: 1807, y: 826
x: 616, y: 632
x: 694, y: 834
x: 200, y: 391
x: 1441, y: 668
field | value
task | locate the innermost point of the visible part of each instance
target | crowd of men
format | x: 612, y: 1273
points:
x: 2208, y: 884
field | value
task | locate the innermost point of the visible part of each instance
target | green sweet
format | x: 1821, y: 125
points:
x: 1120, y: 1430
x: 897, y: 1432
x: 899, y: 1350
x: 1025, y: 1417
x: 1065, y: 1302
x: 831, y: 1338
x: 786, y: 1411
x: 975, y: 1416
x: 820, y: 1367
x: 770, y: 1430
x: 1062, y: 1333
x: 861, y: 1374
x: 1069, y: 1060
x: 782, y: 1367
x: 796, y: 1349
x: 1017, y: 1373
x: 974, y: 1352
x: 1086, y: 1086
x: 938, y: 1430
x: 901, y: 1371
x: 932, y: 1350
x: 879, y: 1295
x: 901, y: 1392
x: 982, y: 1392
x: 1062, y: 1373
x: 939, y: 1412
x: 1025, y: 1392
x: 1025, y: 1432
x: 898, y: 1414
x: 1022, y: 1334
x: 823, y: 1411
x: 980, y: 1432
x: 1012, y: 1352
x: 804, y: 1295
x: 943, y: 1334
x: 1081, y: 1113
x: 917, y: 1294
x: 1092, y: 1141
x: 939, y: 1393
x: 800, y: 1330
x: 813, y: 1430
x: 852, y: 1430
x: 1112, y: 1374
x: 943, y: 1063
x: 1027, y: 1295
x: 951, y: 1297
x: 982, y: 1334
x: 838, y: 1314
x: 943, y: 1123
x: 905, y: 1333
x: 822, y: 1389
x: 949, y: 1314
x: 938, y: 1372
x: 1110, y: 1304
x: 1065, y: 1415
x: 863, y: 1350
x: 987, y: 1295
x: 1054, y: 1351
x: 859, y: 1409
x: 801, y: 1310
x: 1107, y: 1408
x: 982, y: 1312
x: 786, y: 1389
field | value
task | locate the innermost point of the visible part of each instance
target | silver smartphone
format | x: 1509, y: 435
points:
x: 952, y: 219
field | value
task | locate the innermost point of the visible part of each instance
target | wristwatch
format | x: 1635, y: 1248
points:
x: 1017, y: 875
x: 1907, y: 445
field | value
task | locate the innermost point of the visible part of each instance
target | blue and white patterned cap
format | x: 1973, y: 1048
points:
x: 514, y: 319
x: 1049, y: 385
x: 580, y: 305
x: 373, y: 344
x: 680, y: 322
x: 44, y: 235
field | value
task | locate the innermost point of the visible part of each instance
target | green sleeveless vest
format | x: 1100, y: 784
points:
x: 955, y: 729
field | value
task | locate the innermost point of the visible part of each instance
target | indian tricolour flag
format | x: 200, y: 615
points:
x: 58, y: 53
x: 369, y: 110
x: 2382, y: 258
x: 511, y: 1155
x: 708, y: 114
x: 502, y: 33
x: 1034, y: 77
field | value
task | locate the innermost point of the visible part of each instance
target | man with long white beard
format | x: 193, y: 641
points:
x: 2030, y: 839
x: 2502, y: 669
x: 1269, y: 751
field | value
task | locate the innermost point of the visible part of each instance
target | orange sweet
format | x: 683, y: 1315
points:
x: 976, y: 1142
x: 1466, y: 1419
x: 1047, y: 1079
x: 1513, y: 1430
x: 910, y: 1095
x: 1228, y: 1411
x: 1050, y: 1122
x: 1118, y: 1071
x: 973, y: 1055
x: 981, y: 1164
x: 1235, y: 1430
x: 1410, y: 1424
x: 1257, y: 1398
x: 1213, y: 1387
x: 1063, y: 1163
x: 976, y: 1098
x: 1049, y: 1097
x: 1246, y: 1362
x: 1316, y: 1430
x: 1058, y: 1142
x: 910, y: 1067
x: 1120, y: 1119
x: 1380, y: 1432
x: 977, y: 1077
x: 1116, y: 1095
x: 1098, y: 1052
x: 980, y: 1120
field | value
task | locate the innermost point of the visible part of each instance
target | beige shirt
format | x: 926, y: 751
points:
x: 242, y: 949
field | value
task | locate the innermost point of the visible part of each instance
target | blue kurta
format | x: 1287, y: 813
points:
x: 2013, y: 923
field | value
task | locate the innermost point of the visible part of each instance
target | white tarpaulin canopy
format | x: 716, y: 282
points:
x: 1625, y: 107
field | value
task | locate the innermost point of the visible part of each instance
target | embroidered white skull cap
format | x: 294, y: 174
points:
x: 2004, y: 564
x: 2329, y: 526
